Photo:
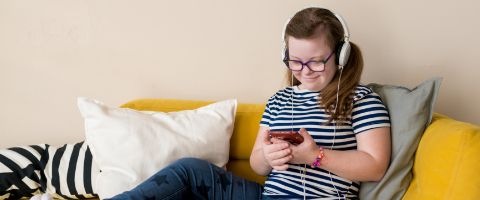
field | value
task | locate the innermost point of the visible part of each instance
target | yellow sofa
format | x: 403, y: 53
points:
x: 446, y: 166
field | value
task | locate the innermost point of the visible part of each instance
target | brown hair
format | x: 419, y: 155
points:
x: 309, y: 23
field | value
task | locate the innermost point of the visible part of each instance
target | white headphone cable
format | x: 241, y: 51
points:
x: 302, y: 177
x: 335, y: 128
x: 291, y: 97
x: 304, y: 172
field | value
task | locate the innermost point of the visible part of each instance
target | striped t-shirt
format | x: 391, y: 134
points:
x: 368, y: 112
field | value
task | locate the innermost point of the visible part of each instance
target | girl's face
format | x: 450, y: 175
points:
x: 307, y: 50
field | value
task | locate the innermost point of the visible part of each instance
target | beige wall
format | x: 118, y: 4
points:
x: 115, y: 51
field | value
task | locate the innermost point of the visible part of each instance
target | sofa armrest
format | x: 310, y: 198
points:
x: 447, y: 161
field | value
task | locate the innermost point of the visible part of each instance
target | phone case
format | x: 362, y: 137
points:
x: 290, y: 136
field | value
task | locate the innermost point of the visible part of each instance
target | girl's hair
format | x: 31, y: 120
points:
x: 310, y: 23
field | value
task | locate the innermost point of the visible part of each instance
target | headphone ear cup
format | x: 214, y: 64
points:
x: 343, y: 52
x: 338, y: 49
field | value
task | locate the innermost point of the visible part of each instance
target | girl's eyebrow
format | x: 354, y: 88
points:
x: 310, y: 58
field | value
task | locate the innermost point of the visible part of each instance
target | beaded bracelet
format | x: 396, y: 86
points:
x: 319, y: 158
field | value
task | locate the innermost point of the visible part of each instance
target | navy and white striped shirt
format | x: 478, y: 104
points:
x: 368, y: 112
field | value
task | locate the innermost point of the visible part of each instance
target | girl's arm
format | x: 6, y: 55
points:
x: 267, y: 155
x: 368, y: 163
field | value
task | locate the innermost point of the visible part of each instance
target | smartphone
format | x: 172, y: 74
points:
x: 290, y: 136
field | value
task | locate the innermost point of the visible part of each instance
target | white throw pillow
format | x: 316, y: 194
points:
x: 129, y: 146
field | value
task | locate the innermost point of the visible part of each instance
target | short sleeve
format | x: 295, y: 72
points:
x: 267, y: 114
x: 369, y: 112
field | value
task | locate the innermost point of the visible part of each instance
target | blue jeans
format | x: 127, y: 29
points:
x: 191, y: 178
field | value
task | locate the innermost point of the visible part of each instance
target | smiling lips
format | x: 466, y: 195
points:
x: 310, y: 77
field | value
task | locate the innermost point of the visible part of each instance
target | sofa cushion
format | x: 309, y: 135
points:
x: 410, y: 113
x: 241, y: 167
x: 447, y: 162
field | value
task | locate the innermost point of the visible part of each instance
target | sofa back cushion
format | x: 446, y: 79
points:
x: 447, y: 162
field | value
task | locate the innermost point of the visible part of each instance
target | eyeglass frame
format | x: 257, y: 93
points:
x: 308, y: 62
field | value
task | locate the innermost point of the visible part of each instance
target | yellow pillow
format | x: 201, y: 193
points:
x: 447, y: 162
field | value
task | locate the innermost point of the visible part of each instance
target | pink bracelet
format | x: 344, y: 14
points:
x: 319, y: 158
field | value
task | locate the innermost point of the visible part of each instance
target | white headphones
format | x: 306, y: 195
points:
x: 342, y: 49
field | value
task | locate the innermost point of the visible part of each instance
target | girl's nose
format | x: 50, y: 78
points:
x: 306, y: 70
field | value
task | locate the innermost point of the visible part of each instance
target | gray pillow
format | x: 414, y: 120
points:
x: 410, y: 113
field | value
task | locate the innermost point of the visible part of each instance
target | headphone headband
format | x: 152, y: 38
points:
x: 346, y: 33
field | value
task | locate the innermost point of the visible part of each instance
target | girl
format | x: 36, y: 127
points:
x: 345, y: 128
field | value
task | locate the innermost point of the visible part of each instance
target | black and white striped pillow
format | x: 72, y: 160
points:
x: 67, y: 172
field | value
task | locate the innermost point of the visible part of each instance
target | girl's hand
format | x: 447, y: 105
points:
x: 276, y: 152
x: 305, y: 152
